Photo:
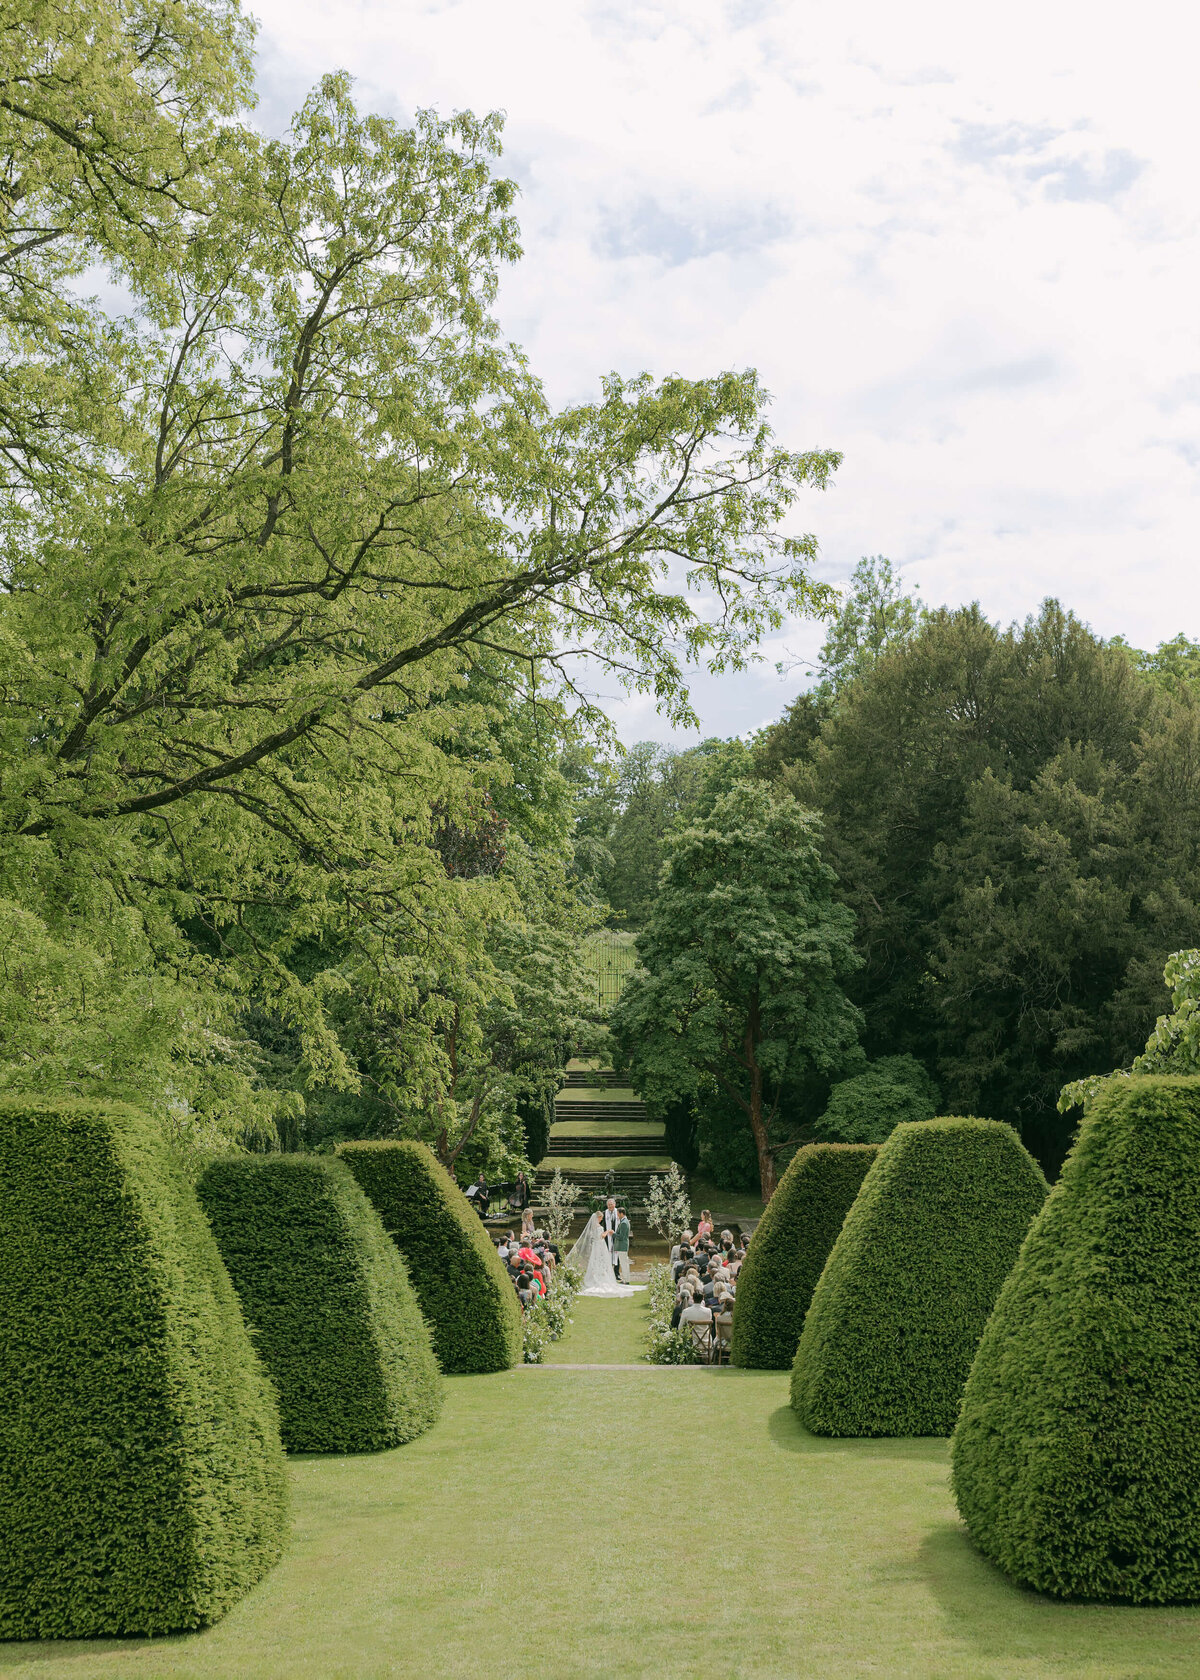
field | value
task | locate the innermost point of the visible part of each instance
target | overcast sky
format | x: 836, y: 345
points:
x: 958, y: 243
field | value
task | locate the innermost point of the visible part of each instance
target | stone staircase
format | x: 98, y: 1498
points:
x: 601, y: 1136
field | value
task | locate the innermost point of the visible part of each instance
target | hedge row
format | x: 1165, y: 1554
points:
x: 791, y: 1245
x: 144, y: 1485
x: 901, y: 1305
x: 1076, y: 1463
x: 467, y: 1299
x: 328, y: 1301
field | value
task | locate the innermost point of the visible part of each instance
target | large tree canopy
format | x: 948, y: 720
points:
x: 743, y: 963
x: 1012, y: 815
x: 287, y: 548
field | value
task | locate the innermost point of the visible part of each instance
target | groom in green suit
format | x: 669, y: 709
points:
x: 621, y: 1246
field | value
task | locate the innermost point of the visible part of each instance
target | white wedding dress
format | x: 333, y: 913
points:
x: 591, y: 1256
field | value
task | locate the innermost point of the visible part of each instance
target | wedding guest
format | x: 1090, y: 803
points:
x: 697, y: 1313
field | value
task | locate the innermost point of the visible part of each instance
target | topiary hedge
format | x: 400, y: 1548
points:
x: 466, y: 1296
x: 143, y: 1485
x: 899, y: 1309
x: 327, y: 1299
x: 789, y: 1249
x: 1076, y: 1462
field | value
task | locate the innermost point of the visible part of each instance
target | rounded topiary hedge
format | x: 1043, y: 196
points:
x: 143, y: 1486
x: 1076, y: 1462
x: 466, y: 1296
x: 899, y: 1309
x: 788, y: 1251
x: 328, y: 1302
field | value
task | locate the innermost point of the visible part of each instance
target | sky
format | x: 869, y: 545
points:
x: 959, y: 244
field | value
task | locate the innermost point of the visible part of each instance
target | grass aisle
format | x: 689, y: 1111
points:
x: 602, y: 1332
x: 662, y: 1522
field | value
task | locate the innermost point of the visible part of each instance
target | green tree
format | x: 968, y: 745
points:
x: 874, y: 615
x: 1011, y: 815
x: 869, y: 1106
x: 743, y: 962
x: 294, y: 555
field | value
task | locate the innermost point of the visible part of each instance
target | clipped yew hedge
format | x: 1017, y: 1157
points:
x: 466, y: 1296
x: 1076, y: 1462
x: 900, y: 1307
x: 143, y: 1485
x: 790, y: 1246
x: 328, y: 1302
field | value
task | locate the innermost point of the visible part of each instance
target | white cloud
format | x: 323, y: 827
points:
x: 959, y: 246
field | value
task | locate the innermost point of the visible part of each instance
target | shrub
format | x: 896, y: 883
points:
x: 328, y: 1301
x: 1076, y: 1462
x: 789, y: 1249
x: 144, y: 1487
x: 899, y: 1309
x: 868, y: 1108
x: 467, y: 1298
x: 545, y: 1319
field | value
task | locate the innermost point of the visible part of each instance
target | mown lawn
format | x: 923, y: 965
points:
x: 673, y: 1523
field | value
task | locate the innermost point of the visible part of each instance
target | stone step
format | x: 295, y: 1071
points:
x: 599, y: 1111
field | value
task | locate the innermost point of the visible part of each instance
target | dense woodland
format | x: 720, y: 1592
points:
x: 1011, y: 816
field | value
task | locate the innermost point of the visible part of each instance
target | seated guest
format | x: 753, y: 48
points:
x: 683, y: 1299
x: 726, y: 1238
x: 524, y: 1288
x: 697, y: 1313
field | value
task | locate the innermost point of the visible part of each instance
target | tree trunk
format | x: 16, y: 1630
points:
x: 766, y: 1161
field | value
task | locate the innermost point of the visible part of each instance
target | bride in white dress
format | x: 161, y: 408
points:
x: 592, y: 1257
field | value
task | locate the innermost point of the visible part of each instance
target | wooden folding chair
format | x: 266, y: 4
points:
x: 702, y: 1341
x: 722, y: 1336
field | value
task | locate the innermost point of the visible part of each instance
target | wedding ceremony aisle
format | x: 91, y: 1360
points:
x: 674, y: 1522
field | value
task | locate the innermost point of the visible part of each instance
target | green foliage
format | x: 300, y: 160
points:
x: 468, y: 1301
x: 874, y: 616
x: 1076, y: 1461
x: 295, y: 545
x: 788, y: 1251
x: 899, y: 1309
x: 868, y: 1107
x: 144, y: 1485
x: 744, y: 959
x: 1011, y: 815
x: 327, y: 1300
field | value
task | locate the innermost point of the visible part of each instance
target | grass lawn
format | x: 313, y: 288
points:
x: 608, y: 1128
x: 597, y: 1093
x: 601, y: 1163
x: 674, y: 1523
x: 725, y: 1204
